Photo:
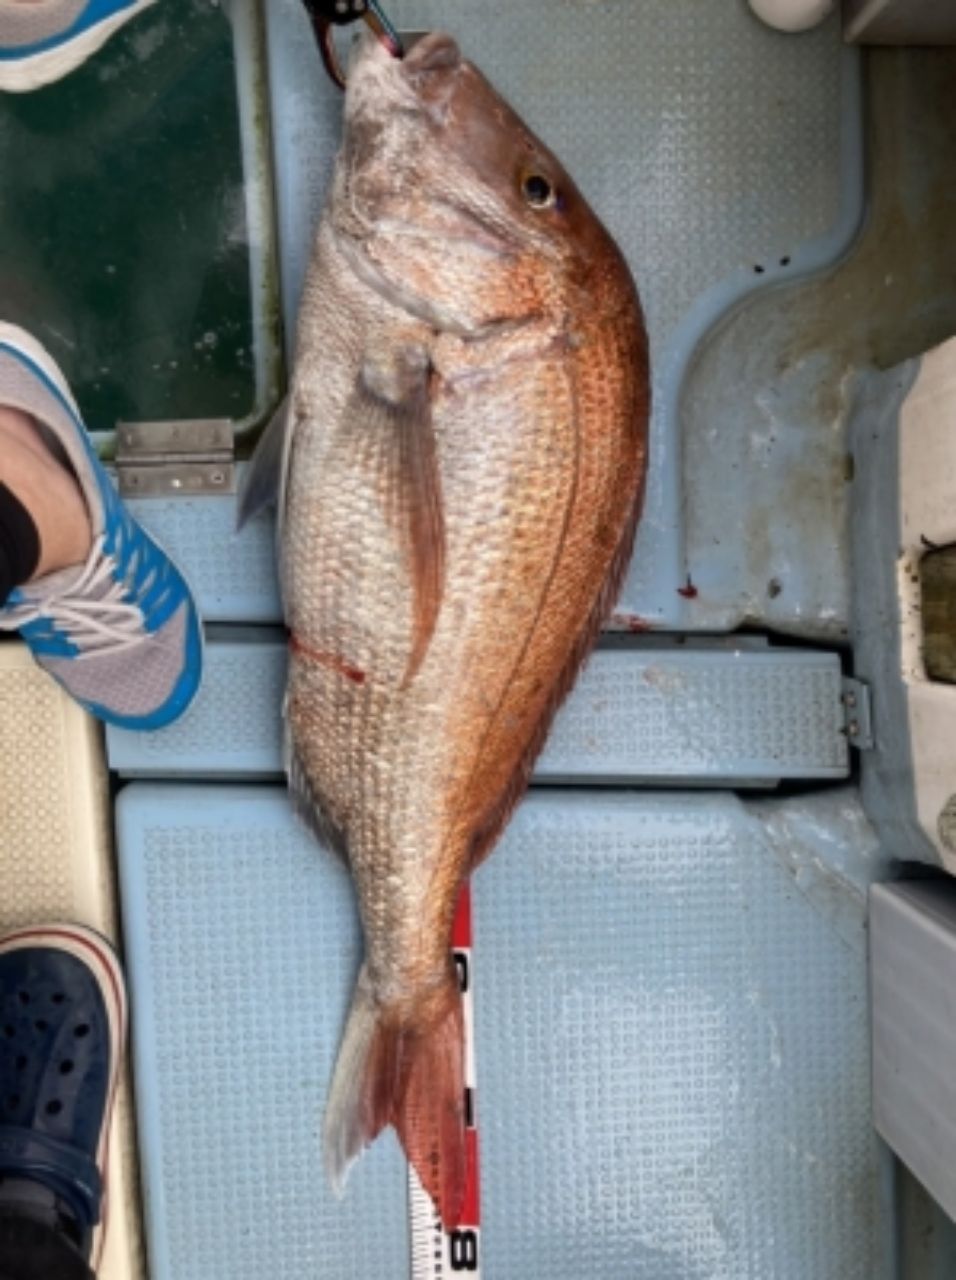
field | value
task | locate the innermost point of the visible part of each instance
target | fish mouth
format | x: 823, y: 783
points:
x: 436, y: 52
x: 432, y: 70
x: 431, y: 59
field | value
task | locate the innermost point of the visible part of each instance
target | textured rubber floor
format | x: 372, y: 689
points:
x: 725, y: 157
x: 719, y: 715
x: 232, y: 574
x: 671, y: 1041
x: 56, y: 863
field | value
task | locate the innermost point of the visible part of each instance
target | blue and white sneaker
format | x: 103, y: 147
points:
x: 43, y: 40
x: 120, y: 632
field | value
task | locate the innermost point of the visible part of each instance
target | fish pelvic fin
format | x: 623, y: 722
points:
x: 264, y: 482
x: 406, y: 1071
x: 397, y: 396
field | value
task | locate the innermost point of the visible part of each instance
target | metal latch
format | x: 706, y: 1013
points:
x: 185, y: 458
x: 859, y: 720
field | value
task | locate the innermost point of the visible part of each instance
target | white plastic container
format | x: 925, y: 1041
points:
x: 792, y: 15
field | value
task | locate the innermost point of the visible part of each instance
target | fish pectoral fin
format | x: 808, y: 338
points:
x: 264, y: 482
x: 308, y: 807
x: 394, y: 401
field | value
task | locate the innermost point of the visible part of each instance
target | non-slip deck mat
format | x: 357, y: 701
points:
x: 723, y: 156
x: 671, y: 1040
x: 735, y: 716
x: 56, y: 863
x: 232, y: 574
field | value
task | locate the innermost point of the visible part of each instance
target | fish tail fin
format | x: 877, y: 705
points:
x: 405, y: 1071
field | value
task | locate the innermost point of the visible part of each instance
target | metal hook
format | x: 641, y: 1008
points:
x: 328, y: 14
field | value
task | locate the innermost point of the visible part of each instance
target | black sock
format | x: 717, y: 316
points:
x: 30, y: 1249
x: 25, y: 1198
x: 19, y: 543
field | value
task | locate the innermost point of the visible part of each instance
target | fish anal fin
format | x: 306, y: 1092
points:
x: 308, y: 807
x: 397, y: 400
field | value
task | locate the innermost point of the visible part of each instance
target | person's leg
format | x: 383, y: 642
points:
x: 36, y: 1250
x: 43, y: 40
x: 63, y: 1027
x: 44, y: 522
x: 103, y: 609
x: 19, y: 543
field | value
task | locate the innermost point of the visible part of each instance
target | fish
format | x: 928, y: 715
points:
x: 459, y: 470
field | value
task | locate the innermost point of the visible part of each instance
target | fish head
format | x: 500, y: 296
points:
x: 450, y: 202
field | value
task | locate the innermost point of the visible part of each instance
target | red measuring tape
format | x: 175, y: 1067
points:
x: 438, y: 1254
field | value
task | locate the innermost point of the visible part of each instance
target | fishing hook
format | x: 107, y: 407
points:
x: 328, y: 14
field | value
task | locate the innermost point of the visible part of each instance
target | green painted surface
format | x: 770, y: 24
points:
x: 123, y: 243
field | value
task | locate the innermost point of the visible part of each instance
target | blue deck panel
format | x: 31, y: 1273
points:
x: 671, y: 1035
x: 730, y: 714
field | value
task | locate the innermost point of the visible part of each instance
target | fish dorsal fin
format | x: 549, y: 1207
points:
x: 264, y: 483
x: 394, y: 402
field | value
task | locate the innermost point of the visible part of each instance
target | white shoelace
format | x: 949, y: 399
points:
x: 95, y: 624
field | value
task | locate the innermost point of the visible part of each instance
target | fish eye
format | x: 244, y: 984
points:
x: 538, y: 191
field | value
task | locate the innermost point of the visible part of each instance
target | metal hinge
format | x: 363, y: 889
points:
x: 185, y: 458
x: 856, y: 708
